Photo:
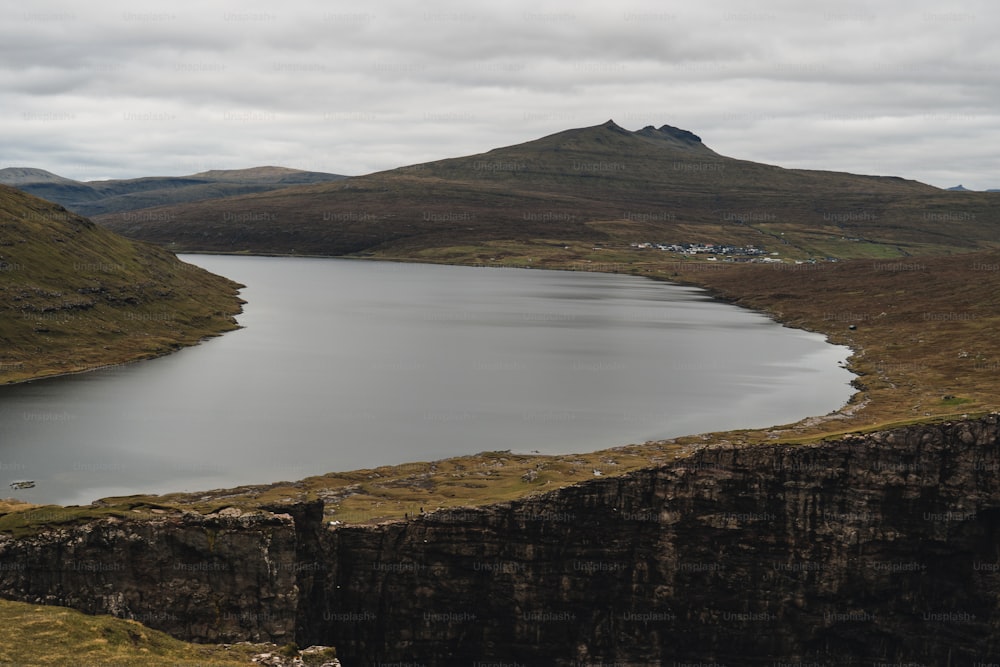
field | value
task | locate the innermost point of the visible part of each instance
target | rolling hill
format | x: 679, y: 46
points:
x: 594, y: 185
x: 75, y: 296
x: 113, y: 196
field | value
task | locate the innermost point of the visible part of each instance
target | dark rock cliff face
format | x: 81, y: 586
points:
x: 214, y: 578
x: 882, y: 548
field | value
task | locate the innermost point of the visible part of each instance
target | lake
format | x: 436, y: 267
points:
x: 345, y: 364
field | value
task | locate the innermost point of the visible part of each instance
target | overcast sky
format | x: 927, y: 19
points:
x: 109, y: 89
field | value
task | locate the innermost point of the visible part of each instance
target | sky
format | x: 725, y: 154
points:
x: 110, y: 89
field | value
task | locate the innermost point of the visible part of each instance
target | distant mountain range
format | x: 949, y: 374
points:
x: 100, y: 197
x: 582, y: 187
x: 962, y: 188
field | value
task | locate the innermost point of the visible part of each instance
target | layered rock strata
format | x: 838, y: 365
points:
x: 874, y: 548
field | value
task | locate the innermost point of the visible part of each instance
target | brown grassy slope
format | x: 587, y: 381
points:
x: 74, y: 296
x: 555, y: 187
x: 44, y: 635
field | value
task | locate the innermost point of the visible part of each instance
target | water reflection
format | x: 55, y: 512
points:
x: 347, y: 364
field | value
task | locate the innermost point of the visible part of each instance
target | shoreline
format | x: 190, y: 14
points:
x: 905, y: 371
x: 117, y: 364
x: 850, y: 405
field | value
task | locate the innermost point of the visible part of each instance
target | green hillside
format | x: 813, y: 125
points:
x: 74, y: 296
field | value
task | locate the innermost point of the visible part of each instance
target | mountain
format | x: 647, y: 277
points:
x: 18, y: 176
x: 959, y: 188
x: 47, y: 185
x: 75, y: 296
x: 112, y: 196
x: 594, y: 185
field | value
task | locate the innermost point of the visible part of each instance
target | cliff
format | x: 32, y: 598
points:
x: 224, y: 577
x: 882, y: 547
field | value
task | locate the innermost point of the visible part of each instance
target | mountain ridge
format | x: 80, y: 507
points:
x: 14, y: 176
x: 116, y: 195
x: 585, y: 186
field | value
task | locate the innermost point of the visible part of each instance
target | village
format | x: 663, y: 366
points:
x: 712, y: 251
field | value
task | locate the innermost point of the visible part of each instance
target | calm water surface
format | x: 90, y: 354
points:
x: 348, y: 364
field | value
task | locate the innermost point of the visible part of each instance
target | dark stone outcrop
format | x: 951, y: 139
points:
x: 216, y: 578
x: 876, y: 548
x: 670, y: 132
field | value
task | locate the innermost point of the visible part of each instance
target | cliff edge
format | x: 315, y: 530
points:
x: 878, y: 547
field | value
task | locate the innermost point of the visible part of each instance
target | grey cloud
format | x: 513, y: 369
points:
x: 137, y: 89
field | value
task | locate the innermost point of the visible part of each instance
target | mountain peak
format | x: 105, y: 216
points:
x: 670, y: 132
x: 678, y: 133
x: 250, y: 173
x: 16, y: 176
x: 614, y: 127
